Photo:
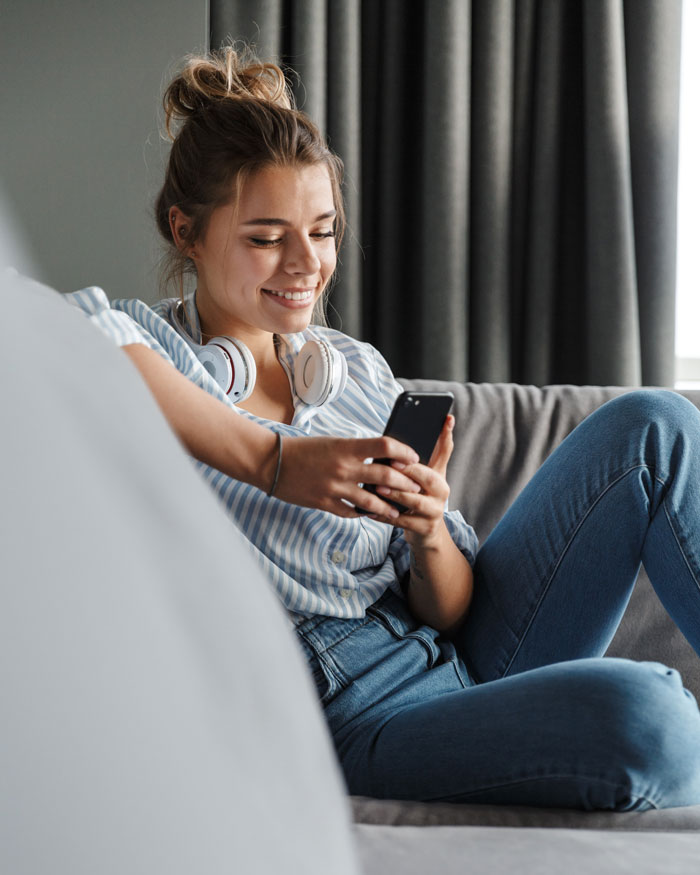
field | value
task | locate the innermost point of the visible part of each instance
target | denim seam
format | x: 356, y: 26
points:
x: 459, y: 676
x: 337, y: 681
x: 560, y: 559
x: 680, y: 546
x: 535, y: 778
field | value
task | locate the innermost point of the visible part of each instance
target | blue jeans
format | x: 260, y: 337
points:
x: 519, y: 706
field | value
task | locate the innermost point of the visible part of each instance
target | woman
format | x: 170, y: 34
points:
x: 446, y: 672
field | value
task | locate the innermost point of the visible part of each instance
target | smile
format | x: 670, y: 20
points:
x: 302, y: 295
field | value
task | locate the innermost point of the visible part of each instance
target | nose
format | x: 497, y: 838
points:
x: 301, y: 257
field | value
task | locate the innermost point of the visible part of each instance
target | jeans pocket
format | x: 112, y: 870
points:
x: 393, y: 613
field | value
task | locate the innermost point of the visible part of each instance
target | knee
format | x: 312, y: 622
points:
x: 664, y: 425
x: 662, y: 407
x: 652, y: 730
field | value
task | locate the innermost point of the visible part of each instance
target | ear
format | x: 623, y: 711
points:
x: 180, y: 228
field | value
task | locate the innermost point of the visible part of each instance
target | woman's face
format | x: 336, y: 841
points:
x: 261, y: 267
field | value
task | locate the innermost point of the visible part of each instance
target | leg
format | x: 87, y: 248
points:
x: 555, y: 576
x: 595, y: 733
x: 591, y: 734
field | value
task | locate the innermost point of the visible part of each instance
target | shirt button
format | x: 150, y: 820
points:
x: 337, y: 557
x: 345, y: 593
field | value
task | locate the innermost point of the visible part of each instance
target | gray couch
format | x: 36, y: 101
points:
x: 157, y: 715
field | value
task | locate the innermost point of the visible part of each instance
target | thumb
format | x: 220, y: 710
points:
x: 443, y: 447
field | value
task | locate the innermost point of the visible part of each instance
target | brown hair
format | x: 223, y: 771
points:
x: 234, y: 116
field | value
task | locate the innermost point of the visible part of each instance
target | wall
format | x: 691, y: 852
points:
x: 80, y: 152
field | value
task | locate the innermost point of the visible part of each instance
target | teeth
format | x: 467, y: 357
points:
x: 291, y: 296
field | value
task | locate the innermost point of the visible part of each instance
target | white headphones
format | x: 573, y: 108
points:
x: 320, y: 370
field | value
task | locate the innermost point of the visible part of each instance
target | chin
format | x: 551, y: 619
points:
x: 299, y: 324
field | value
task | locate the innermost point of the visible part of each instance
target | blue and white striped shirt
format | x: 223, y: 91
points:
x: 319, y: 563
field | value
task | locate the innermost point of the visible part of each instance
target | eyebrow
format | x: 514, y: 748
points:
x: 329, y: 215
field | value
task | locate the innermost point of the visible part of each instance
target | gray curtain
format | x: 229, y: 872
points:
x: 511, y: 177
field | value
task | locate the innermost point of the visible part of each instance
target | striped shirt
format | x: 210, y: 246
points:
x: 319, y: 563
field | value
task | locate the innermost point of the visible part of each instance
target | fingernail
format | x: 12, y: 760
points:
x: 399, y: 465
x: 383, y: 490
x: 393, y: 513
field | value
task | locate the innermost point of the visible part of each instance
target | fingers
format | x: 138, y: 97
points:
x: 361, y: 502
x: 444, y: 446
x: 391, y: 476
x: 385, y: 447
x: 429, y: 499
x: 430, y: 481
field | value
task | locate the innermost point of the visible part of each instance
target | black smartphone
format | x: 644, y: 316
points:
x: 417, y: 420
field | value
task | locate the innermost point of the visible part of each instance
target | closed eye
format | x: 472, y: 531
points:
x: 268, y: 242
x: 265, y: 242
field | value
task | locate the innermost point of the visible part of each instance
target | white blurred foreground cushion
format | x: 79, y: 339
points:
x: 157, y: 717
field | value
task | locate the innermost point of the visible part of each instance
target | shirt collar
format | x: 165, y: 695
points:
x: 191, y: 317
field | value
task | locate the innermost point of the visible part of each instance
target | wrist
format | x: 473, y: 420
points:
x: 428, y: 542
x: 253, y: 455
x: 278, y: 465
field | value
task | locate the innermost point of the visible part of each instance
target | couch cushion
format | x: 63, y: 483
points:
x: 401, y: 813
x: 456, y: 850
x: 157, y: 716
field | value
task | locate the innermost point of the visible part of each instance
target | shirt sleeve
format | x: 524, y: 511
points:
x: 119, y: 327
x: 127, y: 321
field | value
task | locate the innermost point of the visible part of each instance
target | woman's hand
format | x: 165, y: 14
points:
x: 440, y: 582
x: 423, y: 522
x: 325, y: 473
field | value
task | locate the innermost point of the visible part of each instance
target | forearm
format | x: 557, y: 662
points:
x: 209, y: 430
x: 318, y: 472
x: 440, y: 583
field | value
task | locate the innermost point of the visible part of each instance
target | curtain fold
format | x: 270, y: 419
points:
x: 511, y: 176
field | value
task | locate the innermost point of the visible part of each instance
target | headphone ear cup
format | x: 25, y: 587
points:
x: 320, y: 373
x: 231, y: 364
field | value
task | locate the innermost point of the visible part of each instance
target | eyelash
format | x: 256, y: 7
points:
x: 267, y: 244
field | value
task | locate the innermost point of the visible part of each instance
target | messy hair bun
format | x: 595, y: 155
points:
x: 230, y: 115
x: 225, y: 75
